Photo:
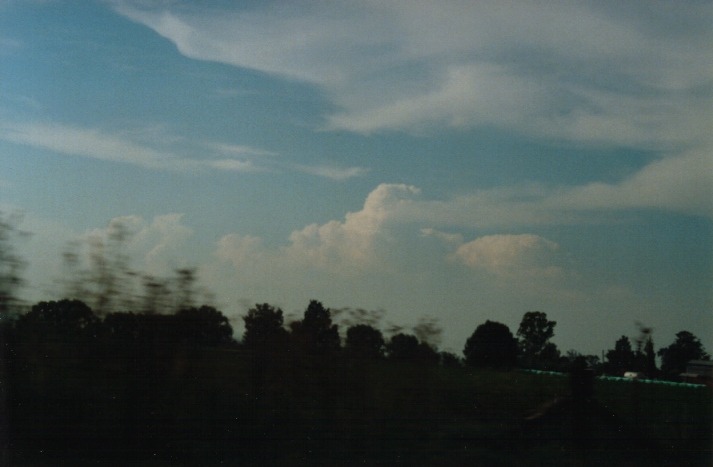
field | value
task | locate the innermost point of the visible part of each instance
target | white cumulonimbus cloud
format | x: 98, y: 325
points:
x: 346, y: 247
x: 510, y: 255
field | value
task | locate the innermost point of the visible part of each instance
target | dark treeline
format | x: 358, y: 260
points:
x: 178, y: 387
x: 124, y: 376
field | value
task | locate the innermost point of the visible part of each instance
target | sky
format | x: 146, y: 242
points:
x: 451, y: 160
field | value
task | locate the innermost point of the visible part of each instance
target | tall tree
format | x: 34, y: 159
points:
x: 621, y: 358
x: 407, y: 347
x: 65, y: 320
x: 644, y: 356
x: 204, y: 326
x: 650, y: 358
x: 534, y: 336
x: 315, y: 333
x: 11, y: 264
x: 676, y: 356
x: 491, y: 345
x: 428, y: 331
x: 105, y: 280
x: 364, y: 341
x: 185, y: 288
x: 264, y: 328
x: 156, y: 295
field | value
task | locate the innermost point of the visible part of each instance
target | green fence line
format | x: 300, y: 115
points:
x: 620, y: 378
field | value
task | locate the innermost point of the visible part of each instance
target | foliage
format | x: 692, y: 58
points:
x: 364, y: 341
x: 316, y: 334
x: 99, y: 272
x: 536, y: 350
x: 11, y: 264
x: 649, y: 358
x: 685, y: 348
x: 204, y: 326
x: 621, y: 358
x: 407, y: 347
x: 428, y: 331
x: 491, y: 345
x: 63, y: 320
x: 263, y: 327
x: 204, y: 407
x: 450, y: 360
x: 534, y: 333
x: 645, y: 356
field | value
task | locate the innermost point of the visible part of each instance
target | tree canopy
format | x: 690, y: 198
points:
x: 407, y: 347
x: 204, y: 326
x: 315, y: 333
x: 263, y: 327
x: 491, y: 345
x: 364, y: 341
x: 11, y: 264
x: 534, y: 335
x: 59, y: 320
x: 676, y: 356
x: 621, y: 358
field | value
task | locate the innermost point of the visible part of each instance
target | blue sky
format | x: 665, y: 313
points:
x: 458, y: 160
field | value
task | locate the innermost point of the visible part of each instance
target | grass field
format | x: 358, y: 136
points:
x: 202, y: 406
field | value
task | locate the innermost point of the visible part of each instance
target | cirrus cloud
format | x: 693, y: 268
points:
x: 165, y: 152
x: 582, y: 71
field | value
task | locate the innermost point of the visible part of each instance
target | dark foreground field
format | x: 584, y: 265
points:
x: 120, y: 404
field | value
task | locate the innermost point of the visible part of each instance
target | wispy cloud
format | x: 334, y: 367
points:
x: 241, y: 150
x: 90, y: 143
x: 579, y: 71
x: 168, y: 151
x: 333, y: 173
x: 681, y: 184
x: 8, y: 44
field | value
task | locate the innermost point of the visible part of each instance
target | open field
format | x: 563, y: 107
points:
x: 207, y: 406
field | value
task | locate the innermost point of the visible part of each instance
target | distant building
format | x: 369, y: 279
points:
x: 699, y: 371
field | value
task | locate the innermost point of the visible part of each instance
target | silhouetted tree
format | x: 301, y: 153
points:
x: 263, y: 327
x: 685, y: 348
x: 534, y: 335
x: 491, y: 345
x: 406, y: 347
x: 185, y: 288
x: 621, y: 358
x: 122, y: 326
x: 65, y: 320
x: 315, y: 333
x: 348, y: 317
x: 650, y: 358
x: 549, y: 357
x: 99, y: 272
x: 107, y: 284
x: 156, y: 295
x: 204, y: 326
x: 450, y: 360
x: 428, y: 331
x: 574, y: 359
x: 111, y: 273
x: 644, y: 356
x: 402, y: 347
x: 11, y: 265
x: 364, y: 341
